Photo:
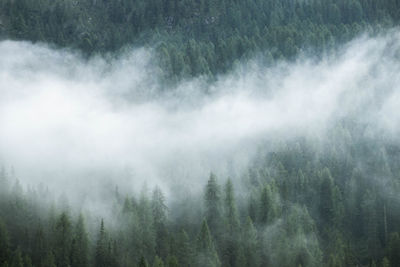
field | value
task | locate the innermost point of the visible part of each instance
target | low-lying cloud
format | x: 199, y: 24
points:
x: 70, y: 122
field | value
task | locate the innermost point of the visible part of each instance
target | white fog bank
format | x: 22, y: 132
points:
x: 69, y: 122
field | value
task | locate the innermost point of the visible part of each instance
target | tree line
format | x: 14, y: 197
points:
x: 197, y: 37
x: 301, y: 204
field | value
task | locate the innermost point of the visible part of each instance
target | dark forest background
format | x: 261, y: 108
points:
x: 197, y: 37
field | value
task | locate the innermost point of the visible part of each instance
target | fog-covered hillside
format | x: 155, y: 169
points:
x: 199, y: 133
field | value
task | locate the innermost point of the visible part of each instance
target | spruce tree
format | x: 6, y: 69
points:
x: 250, y: 244
x: 213, y: 205
x: 62, y: 240
x: 206, y: 253
x: 266, y: 206
x: 101, y: 253
x: 231, y: 237
x: 80, y: 245
x: 160, y: 219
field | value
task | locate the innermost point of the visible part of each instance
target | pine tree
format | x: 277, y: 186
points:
x: 62, y: 241
x: 370, y: 223
x: 101, y: 253
x: 184, y: 249
x: 80, y: 245
x: 231, y: 237
x: 266, y: 206
x: 326, y: 204
x: 250, y: 244
x: 231, y: 215
x: 159, y: 217
x: 206, y: 253
x: 213, y: 205
x: 146, y: 226
x: 39, y: 248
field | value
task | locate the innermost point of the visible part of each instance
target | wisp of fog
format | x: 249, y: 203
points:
x: 73, y: 123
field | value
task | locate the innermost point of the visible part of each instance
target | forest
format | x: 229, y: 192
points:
x: 305, y: 203
x: 197, y: 37
x: 326, y: 197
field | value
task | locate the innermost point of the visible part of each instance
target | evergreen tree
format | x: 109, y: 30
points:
x: 80, y: 245
x: 231, y: 237
x: 206, y: 253
x: 62, y: 241
x: 146, y: 226
x: 159, y: 218
x: 101, y: 253
x: 213, y: 204
x: 266, y: 206
x: 184, y: 251
x: 326, y: 204
x: 250, y: 244
x: 40, y: 247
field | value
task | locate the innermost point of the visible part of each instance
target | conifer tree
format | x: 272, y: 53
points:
x: 326, y: 205
x: 265, y: 206
x: 231, y: 237
x: 40, y: 247
x: 250, y: 244
x: 80, y: 245
x: 213, y: 204
x: 184, y: 249
x: 101, y: 253
x: 160, y: 219
x: 206, y: 254
x: 62, y: 240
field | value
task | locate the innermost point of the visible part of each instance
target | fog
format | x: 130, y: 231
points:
x: 73, y: 123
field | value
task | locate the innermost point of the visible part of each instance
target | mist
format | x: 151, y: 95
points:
x: 74, y: 124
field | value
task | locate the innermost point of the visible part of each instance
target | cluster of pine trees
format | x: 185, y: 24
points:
x: 302, y: 203
x: 196, y: 37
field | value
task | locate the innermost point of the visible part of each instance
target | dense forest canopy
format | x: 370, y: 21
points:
x: 197, y: 37
x: 199, y: 133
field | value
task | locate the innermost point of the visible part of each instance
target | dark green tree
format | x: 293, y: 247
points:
x: 206, y: 254
x: 213, y: 203
x: 101, y: 254
x: 62, y: 240
x: 80, y: 245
